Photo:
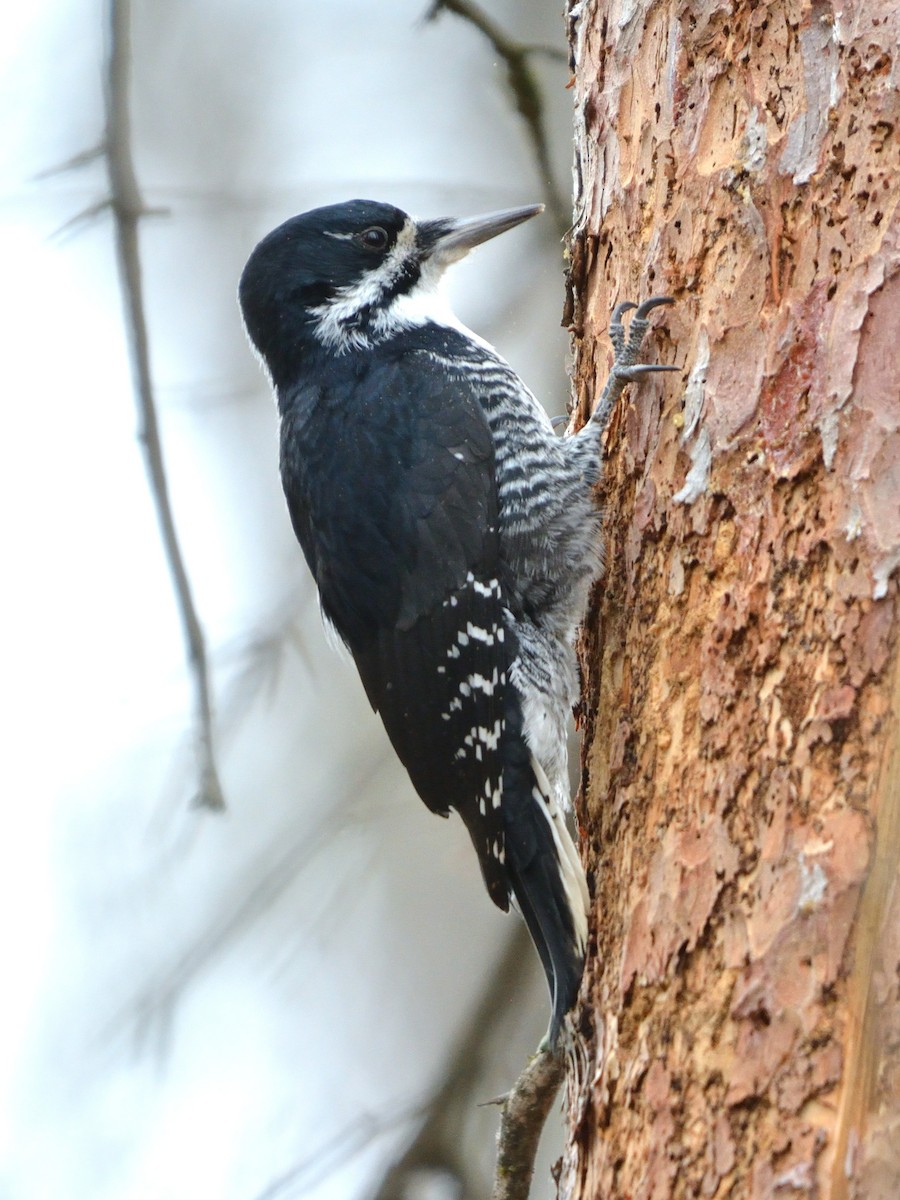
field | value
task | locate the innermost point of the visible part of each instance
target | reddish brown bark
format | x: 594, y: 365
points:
x: 742, y: 761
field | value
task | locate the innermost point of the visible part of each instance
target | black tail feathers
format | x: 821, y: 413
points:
x: 546, y: 879
x: 551, y: 929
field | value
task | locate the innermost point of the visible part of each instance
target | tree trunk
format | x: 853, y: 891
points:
x: 741, y: 795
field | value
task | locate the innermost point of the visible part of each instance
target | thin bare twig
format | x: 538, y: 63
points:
x: 526, y: 91
x: 75, y: 162
x: 128, y: 208
x: 81, y: 218
x: 523, y: 1117
x: 344, y: 1146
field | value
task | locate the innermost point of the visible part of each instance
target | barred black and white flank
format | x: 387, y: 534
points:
x: 453, y: 536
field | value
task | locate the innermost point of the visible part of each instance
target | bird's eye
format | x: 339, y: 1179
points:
x: 374, y: 238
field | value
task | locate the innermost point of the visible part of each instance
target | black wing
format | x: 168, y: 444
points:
x: 403, y: 543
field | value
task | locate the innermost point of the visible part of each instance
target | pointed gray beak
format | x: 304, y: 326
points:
x: 450, y: 239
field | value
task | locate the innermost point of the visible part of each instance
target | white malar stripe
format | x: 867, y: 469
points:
x: 426, y: 304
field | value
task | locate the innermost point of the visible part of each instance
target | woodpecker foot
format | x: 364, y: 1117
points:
x: 626, y: 342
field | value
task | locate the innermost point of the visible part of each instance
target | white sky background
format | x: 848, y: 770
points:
x: 194, y: 1004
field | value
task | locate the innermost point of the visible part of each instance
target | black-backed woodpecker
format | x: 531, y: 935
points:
x: 452, y: 535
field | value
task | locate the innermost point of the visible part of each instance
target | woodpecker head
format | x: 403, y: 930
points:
x: 349, y: 275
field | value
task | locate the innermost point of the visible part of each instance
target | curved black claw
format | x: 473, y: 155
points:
x: 616, y: 328
x: 638, y: 370
x: 644, y: 310
x: 620, y: 310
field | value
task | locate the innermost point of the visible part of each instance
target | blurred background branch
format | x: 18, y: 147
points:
x: 439, y: 1148
x: 526, y: 91
x: 128, y: 208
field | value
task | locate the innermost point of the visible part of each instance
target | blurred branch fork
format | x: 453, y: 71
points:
x: 439, y: 1145
x: 127, y: 209
x: 440, y: 1148
x: 526, y: 90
